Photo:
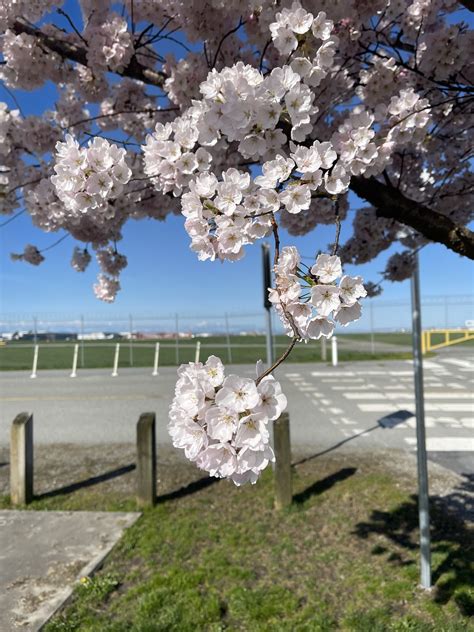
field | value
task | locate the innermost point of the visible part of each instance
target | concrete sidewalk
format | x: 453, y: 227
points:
x: 44, y: 553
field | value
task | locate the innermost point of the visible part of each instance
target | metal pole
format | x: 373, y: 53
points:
x: 116, y: 360
x: 35, y: 330
x: 177, y: 339
x: 74, y: 361
x: 198, y: 351
x: 324, y: 350
x: 423, y: 498
x: 130, y: 346
x: 229, y: 348
x: 35, y: 362
x: 156, y: 360
x: 267, y: 283
x: 334, y: 350
x: 82, y: 341
x: 372, y: 336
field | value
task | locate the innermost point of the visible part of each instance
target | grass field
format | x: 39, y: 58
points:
x: 212, y: 557
x: 244, y: 349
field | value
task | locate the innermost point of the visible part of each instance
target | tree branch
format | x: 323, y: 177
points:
x: 469, y: 4
x: 391, y: 203
x: 73, y: 52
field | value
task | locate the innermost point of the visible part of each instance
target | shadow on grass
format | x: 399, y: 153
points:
x: 452, y: 544
x: 88, y: 482
x: 186, y: 490
x: 323, y: 485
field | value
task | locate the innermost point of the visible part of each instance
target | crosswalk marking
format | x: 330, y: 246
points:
x: 445, y: 444
x: 457, y: 362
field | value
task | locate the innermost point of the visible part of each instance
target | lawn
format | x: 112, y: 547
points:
x: 213, y: 557
x: 244, y: 349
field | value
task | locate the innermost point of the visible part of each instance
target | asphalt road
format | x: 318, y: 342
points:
x: 358, y: 405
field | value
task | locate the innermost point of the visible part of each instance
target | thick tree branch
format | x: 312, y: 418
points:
x: 469, y: 4
x: 76, y: 53
x: 391, y: 203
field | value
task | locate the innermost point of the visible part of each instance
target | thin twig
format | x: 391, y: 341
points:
x: 56, y: 243
x: 12, y: 218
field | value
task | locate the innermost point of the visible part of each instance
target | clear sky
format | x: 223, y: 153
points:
x: 164, y: 276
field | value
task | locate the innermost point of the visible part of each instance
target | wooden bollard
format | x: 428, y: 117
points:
x: 146, y: 460
x: 282, y: 472
x: 21, y: 459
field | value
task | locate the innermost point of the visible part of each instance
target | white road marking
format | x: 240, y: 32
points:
x: 331, y: 373
x: 364, y: 395
x: 376, y: 408
x: 398, y: 373
x: 336, y: 411
x: 446, y: 444
x: 464, y: 363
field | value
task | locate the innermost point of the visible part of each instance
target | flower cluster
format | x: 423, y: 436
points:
x: 295, y: 26
x: 296, y: 304
x: 88, y: 178
x: 168, y: 157
x: 106, y: 288
x: 31, y: 254
x: 221, y: 422
x: 222, y: 217
x: 110, y: 44
x: 80, y: 259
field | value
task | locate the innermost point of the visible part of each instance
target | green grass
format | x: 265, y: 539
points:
x: 343, y: 557
x: 245, y: 349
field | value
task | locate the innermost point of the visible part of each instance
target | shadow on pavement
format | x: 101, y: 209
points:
x: 452, y: 544
x: 186, y: 490
x: 335, y: 446
x: 88, y: 482
x: 4, y: 464
x: 323, y: 485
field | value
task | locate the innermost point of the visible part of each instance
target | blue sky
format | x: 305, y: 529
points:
x: 164, y: 276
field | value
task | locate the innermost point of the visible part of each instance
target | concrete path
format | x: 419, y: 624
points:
x: 44, y: 553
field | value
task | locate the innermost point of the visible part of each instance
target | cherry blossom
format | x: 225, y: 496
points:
x: 221, y: 422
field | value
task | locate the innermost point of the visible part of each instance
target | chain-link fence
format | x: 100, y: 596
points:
x: 383, y: 331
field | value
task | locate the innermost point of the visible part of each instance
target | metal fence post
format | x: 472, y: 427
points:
x: 116, y: 360
x: 372, y: 335
x: 21, y: 459
x: 324, y: 349
x: 267, y: 283
x: 423, y: 498
x: 74, y: 361
x: 130, y: 346
x: 282, y: 447
x: 229, y: 348
x: 334, y: 350
x: 146, y: 460
x: 82, y: 341
x: 35, y: 361
x: 198, y: 351
x: 156, y: 359
x: 176, y: 317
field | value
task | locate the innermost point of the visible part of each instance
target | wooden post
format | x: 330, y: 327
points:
x: 21, y: 459
x: 146, y: 460
x: 282, y: 446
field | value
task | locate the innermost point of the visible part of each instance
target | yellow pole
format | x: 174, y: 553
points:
x: 423, y: 342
